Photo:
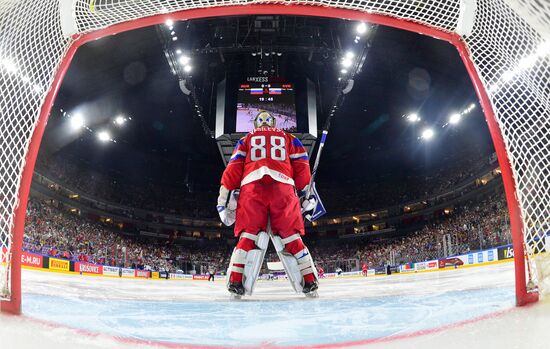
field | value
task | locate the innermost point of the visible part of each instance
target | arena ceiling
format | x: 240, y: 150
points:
x: 164, y: 139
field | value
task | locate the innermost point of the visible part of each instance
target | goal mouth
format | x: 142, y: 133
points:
x: 117, y: 22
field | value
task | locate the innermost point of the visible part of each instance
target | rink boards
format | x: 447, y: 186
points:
x: 60, y: 265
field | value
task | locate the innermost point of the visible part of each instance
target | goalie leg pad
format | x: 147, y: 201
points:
x: 296, y: 260
x: 246, y: 260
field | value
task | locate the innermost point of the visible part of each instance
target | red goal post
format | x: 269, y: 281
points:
x: 504, y: 44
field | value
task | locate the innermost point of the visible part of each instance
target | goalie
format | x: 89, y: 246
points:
x: 268, y: 165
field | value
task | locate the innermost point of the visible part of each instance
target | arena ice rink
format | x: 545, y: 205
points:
x: 462, y: 308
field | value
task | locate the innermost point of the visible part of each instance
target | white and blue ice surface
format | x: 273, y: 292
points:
x: 348, y: 310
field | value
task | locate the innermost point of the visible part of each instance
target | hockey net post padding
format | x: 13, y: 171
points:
x: 504, y: 44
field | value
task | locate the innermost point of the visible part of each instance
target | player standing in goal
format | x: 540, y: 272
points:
x: 268, y: 165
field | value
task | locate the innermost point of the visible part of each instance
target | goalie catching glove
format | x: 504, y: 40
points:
x: 227, y: 205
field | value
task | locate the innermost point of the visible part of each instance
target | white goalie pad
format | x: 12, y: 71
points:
x: 252, y: 260
x: 295, y: 266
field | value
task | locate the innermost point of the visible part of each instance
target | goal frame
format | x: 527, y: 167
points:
x: 523, y: 297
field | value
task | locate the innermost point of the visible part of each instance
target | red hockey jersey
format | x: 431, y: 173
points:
x: 267, y: 151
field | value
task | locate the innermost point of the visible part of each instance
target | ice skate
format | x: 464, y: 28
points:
x: 310, y: 289
x: 236, y: 290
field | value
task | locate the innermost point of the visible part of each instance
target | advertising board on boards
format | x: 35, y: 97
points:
x: 89, y: 268
x: 110, y: 271
x: 59, y: 264
x: 31, y: 260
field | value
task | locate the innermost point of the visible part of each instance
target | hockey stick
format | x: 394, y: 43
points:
x: 316, y: 164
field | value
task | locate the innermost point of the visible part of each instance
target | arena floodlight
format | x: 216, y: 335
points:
x: 343, y: 71
x: 174, y: 38
x: 350, y: 54
x: 178, y: 51
x: 169, y: 22
x: 472, y: 106
x: 413, y: 118
x: 184, y: 60
x: 427, y: 134
x: 454, y: 119
x: 9, y: 65
x: 346, y: 62
x: 103, y: 136
x: 172, y: 33
x: 120, y: 120
x: 77, y: 121
x: 361, y: 28
x: 187, y: 68
x: 508, y: 75
x: 543, y: 49
x: 527, y: 62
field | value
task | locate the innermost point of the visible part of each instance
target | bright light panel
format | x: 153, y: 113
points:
x: 77, y: 121
x: 187, y: 68
x: 103, y: 136
x: 454, y: 119
x: 120, y: 120
x: 427, y: 134
x: 346, y: 63
x: 361, y: 28
x: 184, y: 60
x: 9, y: 65
x: 413, y: 117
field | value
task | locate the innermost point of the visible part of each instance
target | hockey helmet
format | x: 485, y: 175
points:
x: 264, y: 119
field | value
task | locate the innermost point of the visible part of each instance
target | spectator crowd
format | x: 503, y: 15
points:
x: 171, y: 198
x: 400, y: 188
x: 53, y: 232
x: 472, y: 227
x: 350, y: 196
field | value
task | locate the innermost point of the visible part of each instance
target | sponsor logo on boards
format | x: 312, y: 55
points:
x: 31, y: 260
x: 59, y: 264
x: 90, y: 268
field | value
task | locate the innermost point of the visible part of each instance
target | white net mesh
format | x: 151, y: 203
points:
x: 31, y: 46
x: 507, y: 46
x: 513, y: 61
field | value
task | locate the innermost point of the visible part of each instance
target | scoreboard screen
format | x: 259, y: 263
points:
x: 276, y: 98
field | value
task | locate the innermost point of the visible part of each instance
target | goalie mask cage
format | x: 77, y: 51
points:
x: 504, y: 44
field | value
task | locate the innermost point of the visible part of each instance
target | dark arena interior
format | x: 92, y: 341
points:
x: 416, y: 236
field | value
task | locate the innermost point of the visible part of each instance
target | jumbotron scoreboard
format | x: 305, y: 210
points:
x: 276, y: 98
x: 238, y: 101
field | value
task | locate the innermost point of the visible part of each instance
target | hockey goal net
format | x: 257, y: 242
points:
x: 505, y: 45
